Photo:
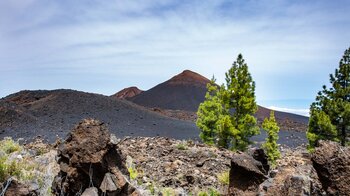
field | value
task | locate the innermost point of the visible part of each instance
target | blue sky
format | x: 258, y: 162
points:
x: 291, y: 47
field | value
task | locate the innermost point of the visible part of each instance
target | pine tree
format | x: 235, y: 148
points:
x: 270, y: 146
x: 208, y: 114
x: 322, y: 128
x: 330, y: 114
x: 240, y: 100
x: 226, y: 118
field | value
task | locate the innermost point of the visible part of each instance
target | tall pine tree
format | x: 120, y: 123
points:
x: 240, y: 100
x: 226, y: 118
x: 330, y: 114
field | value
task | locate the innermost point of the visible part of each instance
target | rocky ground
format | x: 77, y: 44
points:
x: 186, y: 167
x: 92, y: 162
x: 27, y: 169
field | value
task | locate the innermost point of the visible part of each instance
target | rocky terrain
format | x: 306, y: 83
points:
x: 180, y: 96
x: 49, y: 114
x: 91, y: 162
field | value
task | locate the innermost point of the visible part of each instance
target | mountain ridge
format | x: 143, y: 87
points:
x: 186, y: 90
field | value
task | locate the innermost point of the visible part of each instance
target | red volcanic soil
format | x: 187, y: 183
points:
x: 185, y: 91
x: 182, y: 92
x: 127, y: 93
x: 188, y: 77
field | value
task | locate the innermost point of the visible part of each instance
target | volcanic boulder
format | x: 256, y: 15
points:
x: 87, y: 158
x: 245, y: 175
x: 332, y: 164
x: 260, y: 155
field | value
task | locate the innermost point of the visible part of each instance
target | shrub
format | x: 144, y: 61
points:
x: 211, y: 192
x: 133, y: 173
x: 224, y: 178
x: 271, y: 146
x: 8, y: 169
x: 152, y: 188
x: 168, y: 192
x: 182, y: 146
x: 8, y: 146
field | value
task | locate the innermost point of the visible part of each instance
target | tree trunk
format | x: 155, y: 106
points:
x: 343, y: 136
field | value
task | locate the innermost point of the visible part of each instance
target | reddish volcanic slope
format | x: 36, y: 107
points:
x: 127, y: 93
x: 186, y: 91
x: 182, y: 92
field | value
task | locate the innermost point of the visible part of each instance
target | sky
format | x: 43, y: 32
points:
x: 97, y: 46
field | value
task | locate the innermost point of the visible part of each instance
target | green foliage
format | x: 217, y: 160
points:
x: 224, y: 178
x: 270, y: 146
x: 133, y: 173
x: 208, y: 114
x: 168, y: 192
x: 8, y: 146
x: 330, y: 113
x: 322, y: 128
x: 151, y: 188
x: 3, y: 169
x: 240, y: 98
x: 10, y: 168
x: 182, y: 146
x: 226, y: 118
x: 211, y: 192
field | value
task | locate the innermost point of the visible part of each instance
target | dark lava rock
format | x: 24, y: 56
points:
x: 89, y: 157
x: 17, y: 189
x: 245, y: 175
x: 259, y: 155
x: 296, y: 185
x: 332, y: 164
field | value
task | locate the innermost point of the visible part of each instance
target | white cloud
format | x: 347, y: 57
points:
x: 277, y: 39
x: 303, y: 112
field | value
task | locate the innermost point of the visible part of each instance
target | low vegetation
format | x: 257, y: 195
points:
x: 224, y: 178
x: 133, y: 173
x: 7, y: 146
x: 210, y: 192
x: 17, y: 163
x: 270, y: 146
x: 168, y: 192
x: 182, y: 146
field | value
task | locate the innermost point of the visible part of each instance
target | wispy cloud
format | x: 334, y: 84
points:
x: 303, y: 112
x: 143, y: 42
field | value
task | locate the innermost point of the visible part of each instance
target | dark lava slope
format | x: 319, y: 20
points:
x: 27, y: 114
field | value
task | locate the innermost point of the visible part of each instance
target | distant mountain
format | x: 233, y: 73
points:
x: 186, y: 91
x: 182, y: 92
x: 127, y: 93
x: 27, y: 114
